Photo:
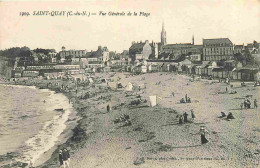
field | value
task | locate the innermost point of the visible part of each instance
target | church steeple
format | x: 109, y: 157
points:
x: 193, y: 39
x: 163, y: 35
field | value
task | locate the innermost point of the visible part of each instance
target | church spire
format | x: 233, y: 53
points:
x: 163, y: 35
x: 193, y: 39
x: 163, y: 26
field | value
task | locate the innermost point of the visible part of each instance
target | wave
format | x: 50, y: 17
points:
x: 48, y: 135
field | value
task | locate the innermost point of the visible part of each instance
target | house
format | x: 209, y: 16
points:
x: 211, y: 67
x: 140, y: 69
x: 202, y: 69
x: 152, y: 68
x: 54, y: 74
x: 66, y: 67
x: 73, y: 72
x: 40, y: 67
x: 238, y: 48
x: 72, y: 53
x: 217, y: 49
x: 94, y: 66
x: 75, y: 61
x: 83, y: 62
x: 195, y: 57
x: 101, y: 54
x: 27, y: 73
x: 185, y: 66
x: 140, y: 51
x: 177, y: 49
x: 247, y: 73
x: 256, y: 56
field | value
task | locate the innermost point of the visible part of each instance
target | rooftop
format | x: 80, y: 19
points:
x: 216, y: 41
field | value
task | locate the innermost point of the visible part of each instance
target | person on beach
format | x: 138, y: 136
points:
x: 68, y: 156
x: 185, y: 115
x: 230, y: 116
x: 65, y: 158
x: 241, y: 105
x: 186, y: 97
x: 30, y: 164
x: 192, y: 115
x: 203, y: 132
x: 255, y: 103
x: 248, y: 103
x: 60, y: 158
x: 245, y: 104
x: 108, y: 108
x: 180, y: 119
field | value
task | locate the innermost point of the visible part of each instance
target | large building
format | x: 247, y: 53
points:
x: 72, y: 53
x: 140, y: 51
x: 217, y: 49
x: 238, y: 49
x: 102, y: 54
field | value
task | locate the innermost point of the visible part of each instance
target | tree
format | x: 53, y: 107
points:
x: 16, y: 52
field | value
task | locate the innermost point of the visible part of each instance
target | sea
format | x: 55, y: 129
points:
x: 31, y: 120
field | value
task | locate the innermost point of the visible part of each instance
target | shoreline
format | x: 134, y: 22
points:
x: 62, y: 138
x: 148, y: 138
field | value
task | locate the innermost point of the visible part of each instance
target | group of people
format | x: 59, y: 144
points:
x: 186, y: 100
x: 229, y: 116
x: 184, y: 118
x: 64, y: 158
x: 247, y: 104
x: 125, y: 119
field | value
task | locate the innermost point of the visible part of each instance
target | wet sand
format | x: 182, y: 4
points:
x: 155, y: 139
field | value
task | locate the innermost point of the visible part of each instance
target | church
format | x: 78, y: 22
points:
x: 174, y: 51
x: 145, y: 50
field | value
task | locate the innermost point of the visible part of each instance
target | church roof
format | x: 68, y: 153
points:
x: 178, y: 46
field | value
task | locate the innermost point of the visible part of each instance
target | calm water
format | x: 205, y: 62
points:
x: 29, y: 123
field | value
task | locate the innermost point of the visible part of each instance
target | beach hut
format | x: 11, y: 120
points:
x: 90, y: 80
x: 153, y: 100
x: 129, y: 86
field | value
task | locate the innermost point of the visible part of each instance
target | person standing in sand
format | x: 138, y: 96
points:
x: 185, y: 115
x: 108, y: 108
x: 255, y: 103
x: 60, y: 158
x: 203, y: 132
x: 65, y: 158
x: 180, y: 119
x: 192, y: 115
x: 68, y: 156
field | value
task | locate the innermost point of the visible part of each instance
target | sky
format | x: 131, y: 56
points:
x: 238, y: 20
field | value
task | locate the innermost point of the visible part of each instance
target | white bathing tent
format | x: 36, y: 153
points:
x: 153, y: 100
x: 129, y: 86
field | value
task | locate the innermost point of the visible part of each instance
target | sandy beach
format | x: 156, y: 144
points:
x: 154, y: 138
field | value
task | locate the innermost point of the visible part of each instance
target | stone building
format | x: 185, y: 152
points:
x: 140, y: 51
x: 72, y: 53
x: 217, y: 49
x: 238, y: 49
